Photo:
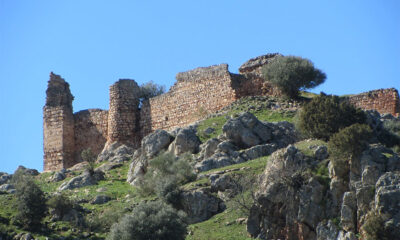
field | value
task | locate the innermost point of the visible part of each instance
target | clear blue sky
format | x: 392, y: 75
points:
x: 94, y: 43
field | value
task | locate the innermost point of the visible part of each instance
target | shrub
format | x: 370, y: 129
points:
x: 390, y: 134
x: 325, y: 115
x: 88, y: 156
x: 31, y: 204
x: 374, y: 227
x: 291, y: 74
x: 60, y: 204
x: 103, y: 221
x: 149, y: 90
x: 166, y: 172
x: 151, y: 220
x: 350, y: 141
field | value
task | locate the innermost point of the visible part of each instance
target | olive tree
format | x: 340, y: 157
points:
x: 291, y: 74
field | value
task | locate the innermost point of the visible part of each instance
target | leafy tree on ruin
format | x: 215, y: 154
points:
x: 291, y: 74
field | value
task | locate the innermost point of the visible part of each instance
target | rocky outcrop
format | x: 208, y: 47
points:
x: 200, y: 205
x: 289, y: 202
x: 83, y: 180
x: 4, y: 177
x: 185, y: 141
x: 151, y: 146
x: 115, y: 153
x: 244, y: 138
x: 294, y: 203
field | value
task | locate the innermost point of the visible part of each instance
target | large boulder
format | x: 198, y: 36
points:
x: 100, y: 199
x: 4, y: 177
x: 27, y: 171
x: 152, y: 145
x: 155, y: 142
x: 7, y: 188
x: 186, y: 140
x: 83, y: 180
x: 246, y: 131
x: 115, y: 153
x: 387, y: 201
x: 289, y: 203
x: 200, y: 205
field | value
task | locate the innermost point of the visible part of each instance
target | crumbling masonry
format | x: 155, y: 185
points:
x: 195, y: 94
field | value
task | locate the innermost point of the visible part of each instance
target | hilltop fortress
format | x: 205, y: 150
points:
x: 202, y: 90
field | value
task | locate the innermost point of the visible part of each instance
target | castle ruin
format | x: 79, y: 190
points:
x: 196, y: 92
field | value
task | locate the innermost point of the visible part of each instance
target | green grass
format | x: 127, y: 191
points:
x: 306, y: 146
x: 224, y: 225
x: 220, y: 226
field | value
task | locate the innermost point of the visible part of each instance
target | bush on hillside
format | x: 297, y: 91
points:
x: 374, y: 227
x: 89, y: 157
x: 325, y: 115
x: 291, y: 74
x: 151, y: 220
x: 390, y: 134
x: 31, y: 204
x: 59, y: 205
x: 165, y: 174
x: 350, y: 141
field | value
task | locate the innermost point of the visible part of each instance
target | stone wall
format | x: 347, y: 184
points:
x: 90, y: 131
x: 123, y: 116
x: 382, y: 100
x: 58, y: 125
x: 195, y: 94
x: 254, y: 83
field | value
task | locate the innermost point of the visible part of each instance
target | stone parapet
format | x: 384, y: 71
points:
x: 381, y: 100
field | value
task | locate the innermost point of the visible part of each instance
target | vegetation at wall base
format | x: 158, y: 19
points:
x: 325, y: 115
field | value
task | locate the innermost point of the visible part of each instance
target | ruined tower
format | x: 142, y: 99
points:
x: 123, y: 116
x: 58, y: 125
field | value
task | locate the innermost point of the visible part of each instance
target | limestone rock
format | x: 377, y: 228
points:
x: 200, y: 205
x: 7, y: 188
x: 259, y: 151
x: 348, y: 211
x: 58, y: 176
x: 321, y: 152
x: 246, y: 131
x: 4, y: 178
x: 108, y: 166
x: 327, y: 231
x: 346, y: 236
x: 288, y: 204
x: 115, y: 153
x: 27, y: 171
x: 220, y: 183
x: 100, y: 199
x: 155, y: 142
x: 387, y: 201
x: 83, y: 180
x: 186, y: 140
x: 208, y: 148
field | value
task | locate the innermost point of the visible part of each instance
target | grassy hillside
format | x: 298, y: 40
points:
x: 99, y: 217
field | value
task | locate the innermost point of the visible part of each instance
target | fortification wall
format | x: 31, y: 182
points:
x: 123, y: 116
x: 91, y: 128
x: 252, y: 81
x: 382, y: 100
x: 195, y: 94
x: 58, y: 125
